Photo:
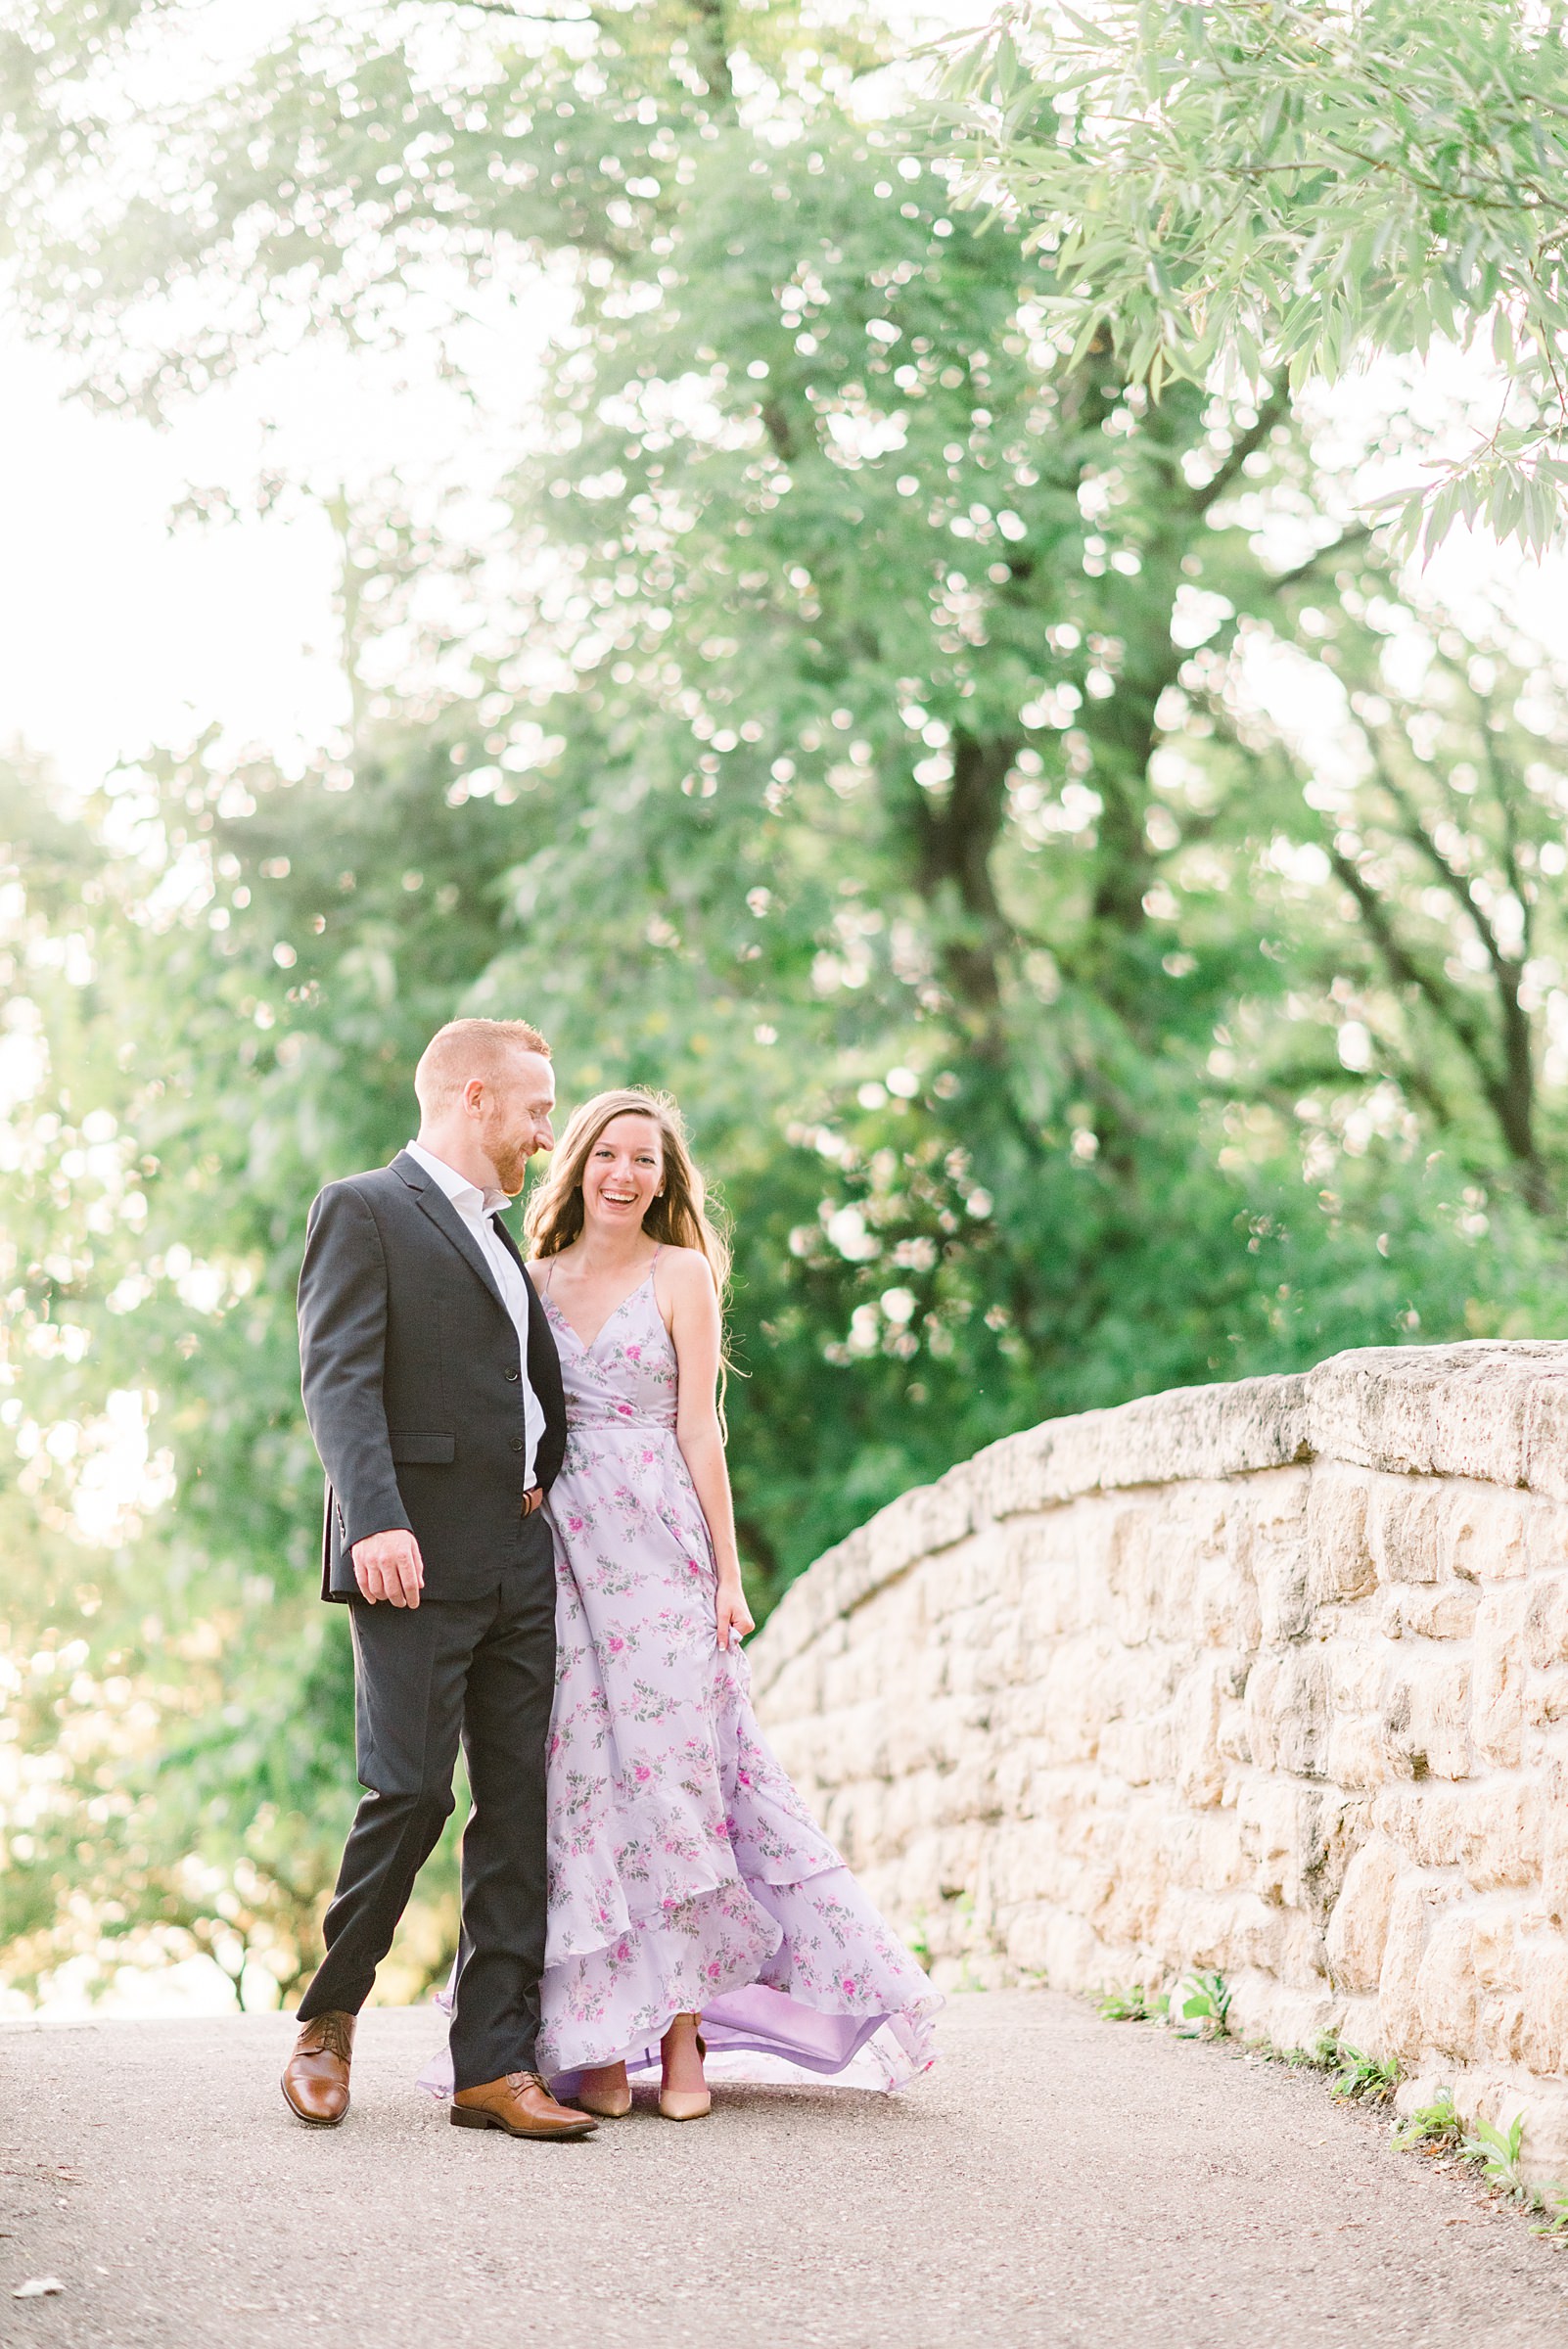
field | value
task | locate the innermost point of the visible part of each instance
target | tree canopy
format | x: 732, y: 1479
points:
x: 1288, y: 189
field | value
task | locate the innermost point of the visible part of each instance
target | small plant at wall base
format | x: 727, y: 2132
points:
x: 1133, y: 2005
x: 1432, y: 2129
x: 1497, y: 2151
x: 1365, y: 2079
x: 1552, y: 2203
x: 1200, y: 2007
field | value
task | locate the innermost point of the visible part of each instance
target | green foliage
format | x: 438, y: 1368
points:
x: 1273, y: 188
x: 1496, y: 2153
x: 1133, y: 2005
x: 1552, y: 2203
x: 1364, y: 2079
x: 1434, y: 2128
x: 1200, y: 2007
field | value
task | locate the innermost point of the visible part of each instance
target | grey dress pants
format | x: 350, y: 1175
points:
x: 481, y: 1671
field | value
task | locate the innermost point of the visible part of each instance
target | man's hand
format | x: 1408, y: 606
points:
x: 389, y: 1566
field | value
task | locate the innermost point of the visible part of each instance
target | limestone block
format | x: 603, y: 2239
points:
x: 1406, y: 1529
x: 1216, y: 1859
x: 1280, y: 1576
x: 1226, y: 1932
x: 1488, y: 1532
x: 1301, y: 1959
x: 1262, y: 2008
x: 1545, y: 1526
x: 1130, y: 1885
x: 1448, y: 1991
x: 1546, y: 1701
x: 1546, y: 1462
x: 1554, y: 1816
x: 1546, y: 1620
x: 1426, y: 1819
x: 1025, y: 1937
x: 1499, y: 1682
x: 1231, y: 1736
x: 1417, y: 1901
x: 1146, y: 1575
x: 1276, y: 1825
x: 1358, y: 1930
x: 1288, y: 1712
x: 1141, y: 1752
x: 1447, y: 1612
x: 1491, y: 1409
x: 1224, y: 1610
x: 1543, y: 1968
x: 1543, y: 2104
x: 1218, y: 1431
x: 1073, y: 1713
x: 1070, y: 1953
x: 1505, y: 2030
x: 1201, y: 1771
x: 1357, y: 1753
x: 1357, y: 1665
x: 1502, y: 1833
x: 1341, y: 1565
x: 1426, y: 1715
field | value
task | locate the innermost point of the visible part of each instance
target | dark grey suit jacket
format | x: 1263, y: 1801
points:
x: 412, y: 1384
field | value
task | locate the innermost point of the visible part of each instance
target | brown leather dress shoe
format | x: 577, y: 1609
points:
x: 315, y: 2078
x: 522, y: 2104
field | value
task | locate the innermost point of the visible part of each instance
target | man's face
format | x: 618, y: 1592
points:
x: 515, y: 1117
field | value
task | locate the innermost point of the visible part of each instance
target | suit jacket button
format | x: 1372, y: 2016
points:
x: 514, y: 1376
x: 518, y: 1444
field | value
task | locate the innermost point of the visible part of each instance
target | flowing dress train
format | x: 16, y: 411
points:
x: 686, y: 1872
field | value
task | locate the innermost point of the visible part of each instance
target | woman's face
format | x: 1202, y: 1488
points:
x: 623, y: 1174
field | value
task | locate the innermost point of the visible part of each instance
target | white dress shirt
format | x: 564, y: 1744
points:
x: 475, y: 1207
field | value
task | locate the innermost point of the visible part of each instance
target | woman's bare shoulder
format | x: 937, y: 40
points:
x: 686, y: 1269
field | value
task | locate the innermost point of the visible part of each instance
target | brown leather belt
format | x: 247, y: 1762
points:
x: 533, y: 1500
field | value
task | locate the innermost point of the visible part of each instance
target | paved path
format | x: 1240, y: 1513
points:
x: 1058, y: 2180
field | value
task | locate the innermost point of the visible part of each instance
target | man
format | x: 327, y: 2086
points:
x: 434, y: 1393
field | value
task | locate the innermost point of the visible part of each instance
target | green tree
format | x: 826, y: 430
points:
x: 1275, y: 188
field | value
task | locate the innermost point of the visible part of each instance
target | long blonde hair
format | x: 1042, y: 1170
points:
x: 680, y: 1217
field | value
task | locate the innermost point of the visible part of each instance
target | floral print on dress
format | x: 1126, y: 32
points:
x: 686, y: 1872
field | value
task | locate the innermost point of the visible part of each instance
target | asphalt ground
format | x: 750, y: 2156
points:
x: 1056, y: 2180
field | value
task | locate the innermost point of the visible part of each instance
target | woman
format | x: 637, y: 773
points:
x: 688, y: 1884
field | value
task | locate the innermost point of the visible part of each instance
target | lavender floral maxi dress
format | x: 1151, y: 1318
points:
x: 685, y: 1872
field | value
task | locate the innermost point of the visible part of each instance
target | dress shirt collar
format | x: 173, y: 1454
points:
x: 465, y: 1196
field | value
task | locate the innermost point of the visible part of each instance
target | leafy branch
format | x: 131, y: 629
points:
x: 1248, y: 187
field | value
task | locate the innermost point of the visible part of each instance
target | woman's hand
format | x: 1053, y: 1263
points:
x: 735, y: 1616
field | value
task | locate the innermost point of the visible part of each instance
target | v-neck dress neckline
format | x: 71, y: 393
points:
x: 584, y: 1347
x: 584, y: 1344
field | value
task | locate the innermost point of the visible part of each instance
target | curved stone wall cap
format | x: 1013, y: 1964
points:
x: 1493, y: 1408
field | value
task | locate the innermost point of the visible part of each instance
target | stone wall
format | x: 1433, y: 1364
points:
x: 1270, y: 1678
